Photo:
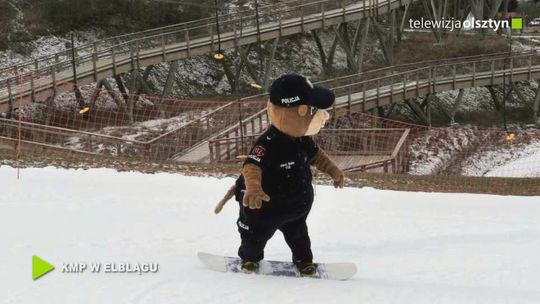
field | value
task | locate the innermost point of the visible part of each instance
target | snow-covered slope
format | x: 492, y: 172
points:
x: 409, y: 247
x: 526, y: 165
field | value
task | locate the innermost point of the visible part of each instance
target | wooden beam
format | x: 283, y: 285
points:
x: 494, y: 98
x: 121, y: 86
x: 363, y: 43
x: 417, y: 110
x: 390, y: 110
x: 251, y: 71
x: 428, y: 108
x: 341, y: 34
x: 403, y: 19
x: 110, y: 90
x: 455, y: 106
x: 536, y: 105
x: 143, y: 85
x: 320, y: 47
x: 95, y: 94
x: 269, y: 64
x: 521, y: 97
x: 167, y: 88
x: 384, y: 45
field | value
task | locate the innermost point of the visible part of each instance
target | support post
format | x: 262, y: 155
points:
x: 536, y: 106
x: 456, y: 105
x: 269, y: 63
x: 417, y: 110
x: 167, y: 88
x: 494, y: 98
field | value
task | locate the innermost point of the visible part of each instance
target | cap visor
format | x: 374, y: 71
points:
x: 321, y: 98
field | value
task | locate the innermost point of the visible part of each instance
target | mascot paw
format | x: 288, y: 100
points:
x: 339, y: 179
x: 254, y: 199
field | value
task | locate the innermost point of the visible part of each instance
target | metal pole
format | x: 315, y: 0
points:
x: 217, y: 26
x: 78, y: 95
x: 504, y: 79
x: 258, y: 39
x: 73, y: 61
x: 241, y: 124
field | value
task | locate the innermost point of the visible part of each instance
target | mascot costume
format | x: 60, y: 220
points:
x: 275, y: 190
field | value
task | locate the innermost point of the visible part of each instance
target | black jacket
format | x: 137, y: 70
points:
x: 286, y: 173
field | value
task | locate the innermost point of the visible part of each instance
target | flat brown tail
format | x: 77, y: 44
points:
x: 225, y: 199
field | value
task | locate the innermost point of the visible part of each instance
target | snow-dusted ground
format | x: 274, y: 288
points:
x: 520, y: 161
x: 409, y: 247
x: 448, y: 150
x: 525, y: 166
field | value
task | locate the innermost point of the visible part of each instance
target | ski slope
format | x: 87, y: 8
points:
x: 409, y: 247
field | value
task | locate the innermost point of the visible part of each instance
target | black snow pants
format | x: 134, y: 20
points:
x: 257, y: 226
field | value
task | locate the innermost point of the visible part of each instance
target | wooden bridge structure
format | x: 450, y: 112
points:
x: 371, y: 90
x: 100, y: 60
x: 363, y: 92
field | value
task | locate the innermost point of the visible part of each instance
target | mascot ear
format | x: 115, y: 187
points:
x: 302, y: 110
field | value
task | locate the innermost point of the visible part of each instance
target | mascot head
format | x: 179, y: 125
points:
x: 297, y: 107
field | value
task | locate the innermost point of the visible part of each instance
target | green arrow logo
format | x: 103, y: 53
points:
x: 40, y: 267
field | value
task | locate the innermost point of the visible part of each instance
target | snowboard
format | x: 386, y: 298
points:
x: 325, y: 271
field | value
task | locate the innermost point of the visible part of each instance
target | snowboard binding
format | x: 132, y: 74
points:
x: 306, y: 269
x: 249, y: 267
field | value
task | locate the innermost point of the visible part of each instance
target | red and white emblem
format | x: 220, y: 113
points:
x: 258, y: 151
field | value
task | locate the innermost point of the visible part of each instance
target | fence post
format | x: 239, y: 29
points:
x: 378, y: 92
x: 241, y: 125
x: 343, y: 10
x: 113, y: 60
x: 364, y: 97
x: 511, y: 69
x: 474, y: 74
x: 137, y: 44
x: 530, y: 66
x: 163, y: 52
x: 417, y: 84
x: 404, y: 86
x: 493, y: 72
x: 32, y: 87
x: 57, y: 62
x: 348, y: 100
x: 322, y: 16
x: 186, y: 37
x: 391, y: 88
x: 454, y: 71
x: 53, y: 76
x: 211, y: 148
x: 434, y: 79
x: 211, y: 34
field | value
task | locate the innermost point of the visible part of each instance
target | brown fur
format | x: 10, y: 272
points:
x: 225, y: 199
x: 323, y: 163
x: 288, y: 120
x: 254, y: 194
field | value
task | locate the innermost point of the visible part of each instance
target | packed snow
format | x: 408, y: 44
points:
x: 409, y: 247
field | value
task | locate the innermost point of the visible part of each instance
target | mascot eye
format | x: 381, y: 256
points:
x: 313, y: 110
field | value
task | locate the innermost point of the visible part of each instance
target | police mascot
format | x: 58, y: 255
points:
x: 275, y: 190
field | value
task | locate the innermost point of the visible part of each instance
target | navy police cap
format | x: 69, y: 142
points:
x: 291, y: 90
